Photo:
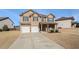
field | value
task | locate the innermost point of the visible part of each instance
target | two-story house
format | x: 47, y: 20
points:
x: 31, y: 21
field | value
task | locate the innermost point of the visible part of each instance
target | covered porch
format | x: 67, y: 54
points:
x: 45, y: 26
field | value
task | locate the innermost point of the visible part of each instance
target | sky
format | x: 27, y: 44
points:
x: 13, y: 14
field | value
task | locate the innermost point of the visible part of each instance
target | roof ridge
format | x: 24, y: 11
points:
x: 51, y: 14
x: 27, y: 11
x: 65, y: 18
x: 4, y: 18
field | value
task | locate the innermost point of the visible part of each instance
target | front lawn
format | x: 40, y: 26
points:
x: 7, y: 38
x: 68, y: 38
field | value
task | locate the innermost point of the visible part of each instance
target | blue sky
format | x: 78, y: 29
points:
x: 14, y: 13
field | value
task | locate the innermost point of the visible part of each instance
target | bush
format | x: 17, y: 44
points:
x: 56, y: 30
x: 5, y: 28
x: 0, y: 30
x: 53, y: 31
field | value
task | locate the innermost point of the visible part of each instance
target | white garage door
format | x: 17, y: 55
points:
x: 34, y: 29
x: 25, y: 29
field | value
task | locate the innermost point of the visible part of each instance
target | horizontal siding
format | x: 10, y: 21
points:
x: 6, y: 22
x: 64, y: 24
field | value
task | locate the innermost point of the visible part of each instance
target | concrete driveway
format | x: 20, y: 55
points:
x: 34, y: 41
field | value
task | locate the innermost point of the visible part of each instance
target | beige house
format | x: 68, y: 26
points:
x: 31, y: 21
x: 6, y: 21
x: 65, y: 22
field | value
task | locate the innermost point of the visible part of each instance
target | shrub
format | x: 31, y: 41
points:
x: 56, y: 30
x: 0, y: 30
x: 5, y: 28
x: 52, y: 30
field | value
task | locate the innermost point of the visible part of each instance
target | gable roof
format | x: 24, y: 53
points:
x: 27, y: 11
x: 51, y: 14
x: 41, y: 15
x: 34, y: 13
x: 65, y: 18
x: 4, y: 18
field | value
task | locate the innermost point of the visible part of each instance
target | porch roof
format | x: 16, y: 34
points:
x: 48, y: 23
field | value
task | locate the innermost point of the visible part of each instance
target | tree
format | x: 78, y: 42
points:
x: 5, y: 28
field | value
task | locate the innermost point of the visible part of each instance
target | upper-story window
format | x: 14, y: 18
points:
x: 43, y: 19
x: 35, y: 18
x: 25, y: 18
x: 50, y: 20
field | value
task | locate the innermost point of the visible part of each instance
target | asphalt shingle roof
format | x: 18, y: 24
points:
x: 4, y: 18
x: 41, y: 15
x: 65, y: 18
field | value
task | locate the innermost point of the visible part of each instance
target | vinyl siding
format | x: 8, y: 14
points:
x: 6, y: 22
x: 64, y: 23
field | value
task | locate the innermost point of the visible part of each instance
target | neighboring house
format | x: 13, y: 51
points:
x: 6, y: 21
x: 31, y: 21
x: 65, y: 22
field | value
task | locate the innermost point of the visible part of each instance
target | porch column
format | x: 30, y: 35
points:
x: 47, y: 27
x: 41, y: 27
x: 30, y: 23
x: 55, y: 26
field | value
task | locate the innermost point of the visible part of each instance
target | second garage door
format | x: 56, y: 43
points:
x: 34, y: 29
